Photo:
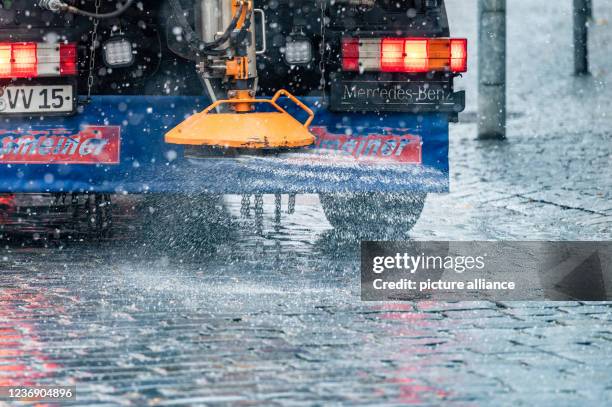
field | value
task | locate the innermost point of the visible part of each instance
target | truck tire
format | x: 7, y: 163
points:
x: 373, y: 214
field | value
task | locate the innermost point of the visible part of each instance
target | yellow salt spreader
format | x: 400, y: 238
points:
x: 230, y: 58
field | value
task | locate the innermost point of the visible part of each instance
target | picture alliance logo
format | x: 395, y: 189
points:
x: 412, y: 264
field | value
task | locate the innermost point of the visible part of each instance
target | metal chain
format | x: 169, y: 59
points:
x: 259, y: 211
x: 291, y: 208
x: 278, y: 202
x: 98, y: 215
x: 259, y: 204
x: 90, y: 213
x: 92, y: 54
x: 245, y: 207
x: 322, y: 47
x: 74, y: 202
x: 108, y: 216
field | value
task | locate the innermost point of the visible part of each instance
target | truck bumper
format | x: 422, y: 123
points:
x: 116, y: 145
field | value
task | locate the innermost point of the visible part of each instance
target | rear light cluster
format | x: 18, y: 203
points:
x: 410, y: 55
x: 31, y: 60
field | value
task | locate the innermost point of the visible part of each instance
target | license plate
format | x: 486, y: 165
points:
x: 37, y: 99
x: 400, y: 96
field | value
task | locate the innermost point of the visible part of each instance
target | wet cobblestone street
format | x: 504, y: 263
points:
x: 276, y: 318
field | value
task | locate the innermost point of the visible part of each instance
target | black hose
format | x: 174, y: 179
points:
x: 101, y: 16
x: 227, y: 34
x: 193, y: 40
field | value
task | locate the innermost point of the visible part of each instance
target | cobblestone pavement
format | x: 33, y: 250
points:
x: 275, y: 319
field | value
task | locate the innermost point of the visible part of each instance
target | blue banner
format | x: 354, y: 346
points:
x: 116, y: 144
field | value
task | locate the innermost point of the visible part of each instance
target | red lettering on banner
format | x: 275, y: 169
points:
x: 91, y: 145
x: 405, y: 149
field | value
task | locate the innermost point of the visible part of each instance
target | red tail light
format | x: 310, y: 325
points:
x: 68, y: 59
x: 410, y: 55
x: 30, y: 60
x: 7, y: 199
x: 6, y: 54
x: 416, y: 56
x: 392, y: 55
x: 23, y: 63
x: 458, y: 55
x: 350, y: 52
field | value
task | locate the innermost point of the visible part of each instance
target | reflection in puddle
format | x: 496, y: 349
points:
x: 416, y: 352
x: 22, y: 359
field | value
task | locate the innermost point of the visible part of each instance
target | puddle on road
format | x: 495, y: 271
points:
x: 297, y: 260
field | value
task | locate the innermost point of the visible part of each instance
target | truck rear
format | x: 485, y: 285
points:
x: 87, y: 97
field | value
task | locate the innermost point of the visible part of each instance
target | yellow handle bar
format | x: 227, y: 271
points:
x: 272, y: 102
x: 295, y: 100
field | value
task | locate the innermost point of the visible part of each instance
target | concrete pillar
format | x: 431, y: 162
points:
x: 581, y: 37
x: 589, y: 5
x: 492, y: 69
